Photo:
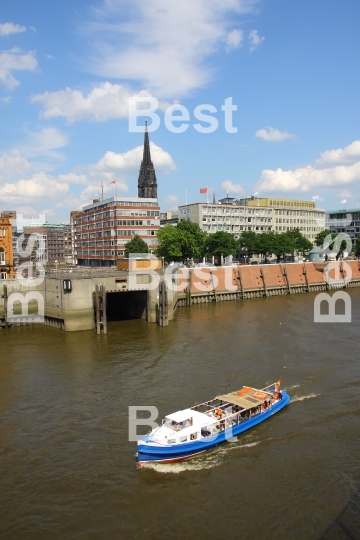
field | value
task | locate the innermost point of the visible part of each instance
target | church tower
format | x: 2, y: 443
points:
x: 147, y: 185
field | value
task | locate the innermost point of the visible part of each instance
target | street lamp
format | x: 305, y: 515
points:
x: 56, y: 265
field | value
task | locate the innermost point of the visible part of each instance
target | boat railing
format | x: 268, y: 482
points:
x: 211, y: 401
x: 270, y: 386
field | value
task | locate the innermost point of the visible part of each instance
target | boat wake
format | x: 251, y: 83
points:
x: 301, y: 398
x: 292, y: 387
x: 208, y: 461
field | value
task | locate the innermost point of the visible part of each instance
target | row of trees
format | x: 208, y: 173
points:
x: 187, y: 241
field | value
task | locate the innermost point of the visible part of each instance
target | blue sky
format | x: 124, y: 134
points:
x: 68, y: 68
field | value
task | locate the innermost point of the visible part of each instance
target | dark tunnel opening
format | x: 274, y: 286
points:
x: 122, y: 306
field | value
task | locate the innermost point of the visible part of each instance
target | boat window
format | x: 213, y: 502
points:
x: 177, y: 426
x: 205, y: 432
x: 171, y: 441
x: 183, y: 439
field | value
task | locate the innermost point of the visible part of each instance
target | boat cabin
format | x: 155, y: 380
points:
x: 179, y: 420
x: 219, y: 414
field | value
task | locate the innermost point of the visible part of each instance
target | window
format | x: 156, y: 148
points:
x: 2, y: 232
x: 183, y: 439
x: 2, y: 256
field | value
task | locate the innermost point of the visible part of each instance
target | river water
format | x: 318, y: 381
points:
x: 67, y: 469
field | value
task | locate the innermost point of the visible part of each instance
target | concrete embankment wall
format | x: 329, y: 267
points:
x: 201, y: 285
x: 73, y: 309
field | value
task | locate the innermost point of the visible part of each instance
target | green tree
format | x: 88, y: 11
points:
x: 169, y: 243
x: 320, y: 241
x: 221, y: 243
x: 283, y: 244
x: 136, y: 245
x: 184, y: 241
x: 266, y: 243
x: 320, y: 237
x: 192, y: 239
x: 300, y: 242
x: 248, y: 243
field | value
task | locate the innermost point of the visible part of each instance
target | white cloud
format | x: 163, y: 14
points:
x: 234, y: 40
x: 44, y: 143
x: 341, y: 156
x: 162, y: 43
x: 255, y: 40
x: 10, y: 28
x: 12, y: 165
x: 273, y: 135
x: 130, y: 161
x: 236, y: 189
x: 101, y: 103
x: 303, y: 179
x: 15, y: 60
x: 21, y: 183
x: 28, y: 191
x: 6, y: 99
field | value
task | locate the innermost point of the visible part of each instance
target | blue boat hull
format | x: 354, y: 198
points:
x: 177, y: 452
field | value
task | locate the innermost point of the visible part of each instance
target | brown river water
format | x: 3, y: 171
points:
x: 68, y: 471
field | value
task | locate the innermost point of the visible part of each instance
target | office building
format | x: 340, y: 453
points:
x: 104, y: 228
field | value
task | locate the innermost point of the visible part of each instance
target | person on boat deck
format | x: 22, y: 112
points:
x: 264, y: 406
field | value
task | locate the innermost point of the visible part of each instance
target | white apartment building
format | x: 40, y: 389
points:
x: 231, y: 218
x: 258, y: 215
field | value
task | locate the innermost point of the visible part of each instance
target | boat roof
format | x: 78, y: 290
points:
x: 246, y: 398
x: 180, y: 416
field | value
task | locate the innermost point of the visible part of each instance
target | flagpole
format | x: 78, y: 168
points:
x: 207, y: 195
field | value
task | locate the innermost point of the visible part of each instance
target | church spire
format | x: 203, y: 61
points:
x: 147, y: 184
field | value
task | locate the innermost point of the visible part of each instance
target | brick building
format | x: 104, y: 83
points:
x: 6, y: 245
x: 104, y: 228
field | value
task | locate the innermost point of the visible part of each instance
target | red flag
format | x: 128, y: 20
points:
x: 203, y: 190
x: 113, y: 182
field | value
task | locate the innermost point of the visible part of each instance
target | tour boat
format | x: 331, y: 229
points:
x: 186, y: 433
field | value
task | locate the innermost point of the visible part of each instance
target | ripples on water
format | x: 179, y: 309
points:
x: 68, y: 470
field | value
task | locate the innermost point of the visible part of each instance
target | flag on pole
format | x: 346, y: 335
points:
x: 203, y: 190
x: 343, y: 201
x: 113, y: 182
